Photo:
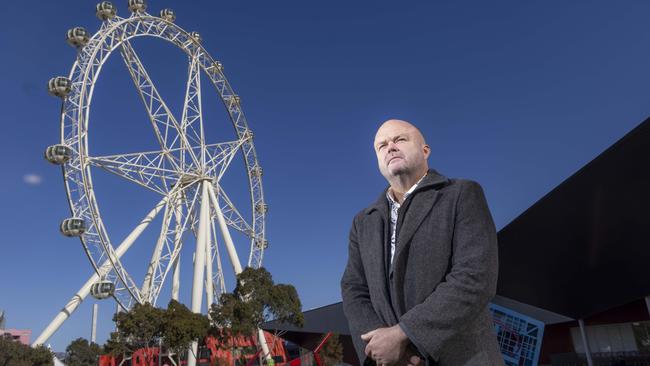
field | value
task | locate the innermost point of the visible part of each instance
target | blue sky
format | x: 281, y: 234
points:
x: 516, y: 95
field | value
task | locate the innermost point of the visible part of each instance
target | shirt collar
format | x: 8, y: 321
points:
x: 413, y: 187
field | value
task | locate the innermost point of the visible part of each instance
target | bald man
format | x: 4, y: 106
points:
x: 422, y: 264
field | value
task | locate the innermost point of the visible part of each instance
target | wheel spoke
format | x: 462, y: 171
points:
x: 230, y: 213
x: 150, y: 169
x: 192, y: 112
x: 169, y: 133
x: 220, y: 156
x: 174, y: 237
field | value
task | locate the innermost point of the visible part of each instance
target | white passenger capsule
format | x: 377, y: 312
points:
x: 137, y: 6
x: 262, y: 208
x: 261, y: 243
x: 168, y: 15
x: 59, y: 86
x: 77, y: 37
x: 196, y: 36
x: 58, y: 154
x: 105, y: 10
x: 73, y: 226
x: 102, y: 289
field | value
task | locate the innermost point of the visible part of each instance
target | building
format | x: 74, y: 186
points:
x: 582, y: 251
x: 20, y: 335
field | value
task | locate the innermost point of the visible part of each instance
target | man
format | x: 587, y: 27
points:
x: 422, y: 264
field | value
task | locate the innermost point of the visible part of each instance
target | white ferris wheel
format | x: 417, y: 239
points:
x: 185, y: 171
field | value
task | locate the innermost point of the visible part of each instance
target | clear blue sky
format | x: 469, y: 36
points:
x: 516, y: 95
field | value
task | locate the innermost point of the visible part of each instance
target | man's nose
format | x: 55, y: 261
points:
x: 392, y: 146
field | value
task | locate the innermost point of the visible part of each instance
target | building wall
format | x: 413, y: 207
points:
x: 606, y: 338
x: 21, y: 335
x: 557, y: 339
x: 611, y: 328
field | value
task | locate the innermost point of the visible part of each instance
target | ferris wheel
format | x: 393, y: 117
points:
x: 185, y: 171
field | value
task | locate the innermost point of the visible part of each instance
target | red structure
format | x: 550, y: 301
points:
x: 243, y: 351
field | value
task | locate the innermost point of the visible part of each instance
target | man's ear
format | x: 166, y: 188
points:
x: 427, y: 151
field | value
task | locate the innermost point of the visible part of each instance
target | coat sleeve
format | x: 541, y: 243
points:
x: 357, y: 307
x: 470, y: 283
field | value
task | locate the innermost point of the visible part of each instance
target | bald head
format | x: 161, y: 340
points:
x: 401, y: 151
x: 398, y: 123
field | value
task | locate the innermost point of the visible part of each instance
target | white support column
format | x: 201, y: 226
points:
x: 118, y: 309
x: 230, y: 246
x: 199, y: 262
x: 72, y: 305
x: 585, y: 342
x: 176, y: 279
x: 234, y: 259
x: 93, y: 329
x: 647, y: 304
x: 209, y: 297
x: 155, y: 257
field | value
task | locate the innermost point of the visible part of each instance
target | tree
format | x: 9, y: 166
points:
x: 80, y: 352
x: 182, y: 326
x: 332, y: 351
x: 13, y: 353
x: 145, y: 326
x: 141, y: 327
x: 255, y: 300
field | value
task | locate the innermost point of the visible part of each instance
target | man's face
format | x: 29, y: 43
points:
x: 400, y: 149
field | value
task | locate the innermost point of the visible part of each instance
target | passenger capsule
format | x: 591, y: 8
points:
x: 105, y: 10
x: 168, y: 15
x: 73, y: 226
x: 196, y: 36
x: 216, y: 67
x: 257, y: 171
x: 102, y: 289
x: 261, y: 243
x: 77, y: 37
x: 58, y: 154
x: 248, y: 134
x: 59, y: 86
x: 262, y: 208
x: 137, y: 6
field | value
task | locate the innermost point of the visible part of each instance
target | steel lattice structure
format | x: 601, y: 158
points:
x: 185, y: 171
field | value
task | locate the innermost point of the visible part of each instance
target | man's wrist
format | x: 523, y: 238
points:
x: 401, y: 336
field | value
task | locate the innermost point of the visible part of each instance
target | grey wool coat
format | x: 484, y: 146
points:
x: 443, y: 275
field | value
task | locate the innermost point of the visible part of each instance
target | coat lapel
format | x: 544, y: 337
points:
x: 421, y: 203
x: 417, y: 210
x: 380, y: 227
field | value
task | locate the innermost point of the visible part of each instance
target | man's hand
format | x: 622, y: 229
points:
x: 412, y: 357
x: 388, y: 346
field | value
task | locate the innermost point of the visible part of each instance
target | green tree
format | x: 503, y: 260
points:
x: 80, y: 352
x: 332, y: 351
x: 13, y: 353
x: 181, y: 326
x: 255, y: 300
x: 141, y: 327
x: 145, y: 326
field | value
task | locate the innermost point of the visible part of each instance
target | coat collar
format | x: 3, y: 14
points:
x: 433, y: 179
